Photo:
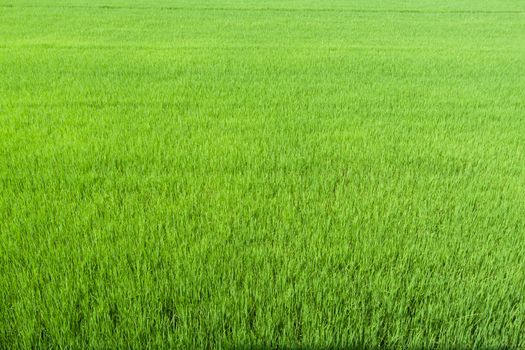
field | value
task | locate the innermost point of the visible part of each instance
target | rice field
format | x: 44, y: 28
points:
x: 262, y: 174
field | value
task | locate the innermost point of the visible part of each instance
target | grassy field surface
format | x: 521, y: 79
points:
x: 216, y: 174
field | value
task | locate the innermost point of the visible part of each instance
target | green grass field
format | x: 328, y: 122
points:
x: 273, y: 174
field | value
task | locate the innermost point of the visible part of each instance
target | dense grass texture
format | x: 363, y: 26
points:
x: 291, y: 174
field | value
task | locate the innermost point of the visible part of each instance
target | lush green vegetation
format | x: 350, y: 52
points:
x: 262, y: 173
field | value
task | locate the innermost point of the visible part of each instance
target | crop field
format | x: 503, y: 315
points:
x: 262, y: 173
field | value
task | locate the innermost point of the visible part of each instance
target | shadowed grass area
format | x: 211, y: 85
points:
x: 248, y: 174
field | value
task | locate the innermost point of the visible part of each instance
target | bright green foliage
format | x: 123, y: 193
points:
x: 236, y: 173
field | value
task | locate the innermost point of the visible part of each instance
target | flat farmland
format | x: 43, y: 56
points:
x: 271, y: 174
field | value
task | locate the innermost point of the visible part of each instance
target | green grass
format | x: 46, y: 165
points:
x: 315, y: 174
